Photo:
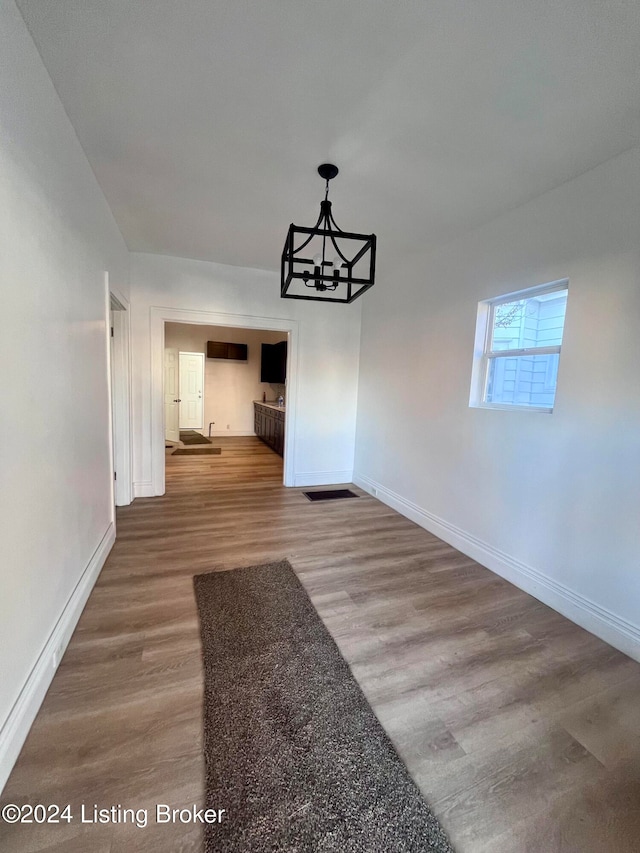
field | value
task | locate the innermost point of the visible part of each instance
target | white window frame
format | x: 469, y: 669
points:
x: 483, y: 354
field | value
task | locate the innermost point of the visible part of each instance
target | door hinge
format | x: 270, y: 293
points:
x: 112, y: 331
x: 115, y: 476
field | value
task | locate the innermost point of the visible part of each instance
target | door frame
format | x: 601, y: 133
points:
x: 119, y: 385
x: 158, y: 317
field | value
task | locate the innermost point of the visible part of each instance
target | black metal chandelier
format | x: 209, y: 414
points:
x: 327, y: 264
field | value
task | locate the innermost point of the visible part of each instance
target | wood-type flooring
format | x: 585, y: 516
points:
x: 521, y: 729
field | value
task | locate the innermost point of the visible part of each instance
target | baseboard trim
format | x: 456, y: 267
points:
x: 144, y: 490
x: 613, y: 629
x: 322, y: 478
x: 15, y: 728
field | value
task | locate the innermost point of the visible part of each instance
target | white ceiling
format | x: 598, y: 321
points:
x: 205, y: 120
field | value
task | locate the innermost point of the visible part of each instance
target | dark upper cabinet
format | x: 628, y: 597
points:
x: 221, y: 349
x: 238, y: 351
x: 280, y: 362
x: 266, y: 361
x: 273, y: 367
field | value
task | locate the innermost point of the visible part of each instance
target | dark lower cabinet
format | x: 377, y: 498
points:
x: 268, y: 425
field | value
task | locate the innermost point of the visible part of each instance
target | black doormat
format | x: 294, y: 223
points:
x: 293, y: 751
x: 185, y: 451
x: 330, y: 495
x: 190, y: 436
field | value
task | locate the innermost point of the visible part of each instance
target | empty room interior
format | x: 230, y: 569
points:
x: 321, y: 521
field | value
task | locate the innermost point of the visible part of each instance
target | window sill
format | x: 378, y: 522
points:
x: 511, y: 407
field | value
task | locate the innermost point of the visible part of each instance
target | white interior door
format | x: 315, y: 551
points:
x: 171, y: 395
x: 191, y: 389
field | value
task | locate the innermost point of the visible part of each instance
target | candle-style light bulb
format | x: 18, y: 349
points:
x: 317, y: 272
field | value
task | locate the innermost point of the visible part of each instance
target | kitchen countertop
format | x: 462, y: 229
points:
x: 271, y: 404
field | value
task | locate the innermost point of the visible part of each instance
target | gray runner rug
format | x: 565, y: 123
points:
x: 293, y: 751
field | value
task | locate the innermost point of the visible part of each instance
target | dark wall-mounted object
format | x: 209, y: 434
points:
x: 221, y: 349
x: 273, y: 366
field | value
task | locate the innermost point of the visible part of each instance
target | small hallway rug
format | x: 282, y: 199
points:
x: 193, y: 451
x: 293, y: 751
x: 190, y: 436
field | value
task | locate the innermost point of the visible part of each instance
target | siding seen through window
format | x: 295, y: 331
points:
x: 522, y: 352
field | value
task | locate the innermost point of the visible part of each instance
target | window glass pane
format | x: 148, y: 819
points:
x: 534, y: 322
x: 524, y: 380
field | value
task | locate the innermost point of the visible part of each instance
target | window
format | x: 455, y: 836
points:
x: 518, y: 342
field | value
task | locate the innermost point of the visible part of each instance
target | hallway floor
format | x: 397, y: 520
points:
x: 521, y: 729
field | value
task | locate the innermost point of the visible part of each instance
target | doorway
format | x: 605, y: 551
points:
x: 119, y: 384
x: 159, y: 317
x: 183, y: 392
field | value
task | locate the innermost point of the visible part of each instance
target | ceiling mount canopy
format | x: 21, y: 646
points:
x: 324, y: 263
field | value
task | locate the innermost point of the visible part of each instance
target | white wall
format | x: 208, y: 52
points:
x: 327, y: 367
x: 57, y: 239
x: 491, y: 481
x: 230, y: 386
